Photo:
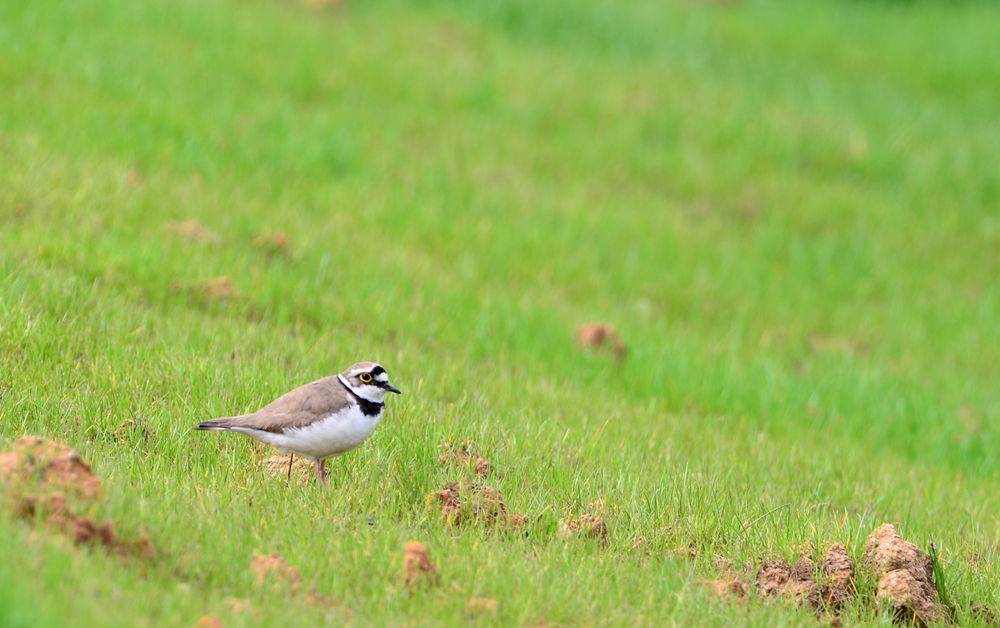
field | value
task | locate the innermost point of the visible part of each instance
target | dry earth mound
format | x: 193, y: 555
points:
x: 48, y: 482
x: 461, y: 503
x: 905, y: 576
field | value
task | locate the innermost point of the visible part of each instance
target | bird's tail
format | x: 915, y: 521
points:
x: 225, y: 423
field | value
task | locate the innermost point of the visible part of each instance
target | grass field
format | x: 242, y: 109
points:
x: 791, y: 212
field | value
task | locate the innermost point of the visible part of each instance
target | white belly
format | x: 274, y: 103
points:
x: 331, y: 436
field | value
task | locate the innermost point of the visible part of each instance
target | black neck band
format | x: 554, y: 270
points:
x: 368, y: 408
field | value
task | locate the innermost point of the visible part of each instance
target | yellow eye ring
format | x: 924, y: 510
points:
x: 365, y: 378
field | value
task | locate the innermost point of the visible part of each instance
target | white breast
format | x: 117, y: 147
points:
x: 331, y: 436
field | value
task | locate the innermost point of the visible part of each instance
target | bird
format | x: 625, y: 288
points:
x: 320, y: 420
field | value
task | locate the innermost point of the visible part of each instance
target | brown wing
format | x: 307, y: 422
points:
x: 296, y: 408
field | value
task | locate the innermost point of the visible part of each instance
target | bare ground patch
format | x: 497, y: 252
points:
x: 461, y: 503
x: 904, y: 574
x: 47, y: 482
x: 273, y: 243
x: 289, y: 467
x: 590, y: 524
x: 601, y: 336
x: 905, y: 577
x: 218, y: 289
x: 727, y: 588
x: 481, y: 607
x: 796, y: 583
x: 417, y: 565
x: 193, y: 231
x: 464, y: 455
x: 209, y: 621
x: 272, y: 570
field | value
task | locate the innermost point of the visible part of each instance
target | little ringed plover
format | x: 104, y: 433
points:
x: 326, y: 418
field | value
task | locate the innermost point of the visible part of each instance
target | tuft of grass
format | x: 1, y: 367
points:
x: 939, y: 579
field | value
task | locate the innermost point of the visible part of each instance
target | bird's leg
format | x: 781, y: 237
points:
x: 321, y: 471
x: 291, y: 459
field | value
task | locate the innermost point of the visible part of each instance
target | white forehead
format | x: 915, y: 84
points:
x: 382, y: 376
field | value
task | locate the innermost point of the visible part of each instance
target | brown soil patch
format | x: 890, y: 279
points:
x: 731, y: 585
x: 906, y: 576
x: 317, y: 600
x: 481, y: 606
x: 825, y: 590
x: 723, y: 565
x: 591, y: 524
x: 587, y: 526
x: 727, y: 589
x: 219, y: 289
x: 273, y: 567
x: 904, y: 573
x: 192, y: 230
x: 689, y: 552
x: 838, y: 572
x: 237, y: 605
x: 776, y: 578
x: 463, y: 456
x: 302, y: 469
x: 48, y: 466
x: 273, y: 243
x: 46, y: 482
x: 832, y: 344
x: 128, y: 430
x: 417, y: 565
x: 985, y: 614
x: 600, y: 336
x: 461, y: 502
x: 209, y: 621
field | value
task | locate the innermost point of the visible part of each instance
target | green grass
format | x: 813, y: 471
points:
x: 789, y: 210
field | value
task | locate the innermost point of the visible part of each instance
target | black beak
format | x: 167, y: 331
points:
x: 392, y: 388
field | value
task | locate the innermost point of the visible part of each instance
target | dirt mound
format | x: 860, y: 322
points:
x: 905, y: 576
x: 274, y: 568
x: 219, y: 289
x: 804, y: 583
x: 461, y: 502
x: 237, y: 605
x: 590, y: 524
x: 47, y: 482
x: 728, y: 588
x: 479, y: 606
x: 417, y: 565
x: 730, y: 585
x: 47, y: 466
x: 209, y: 621
x: 601, y: 335
x: 301, y: 469
x: 777, y: 578
x: 838, y: 572
x: 463, y: 456
x: 272, y: 243
x: 587, y: 526
x: 192, y: 230
x: 985, y: 614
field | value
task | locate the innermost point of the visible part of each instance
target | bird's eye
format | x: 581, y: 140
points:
x: 365, y: 378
